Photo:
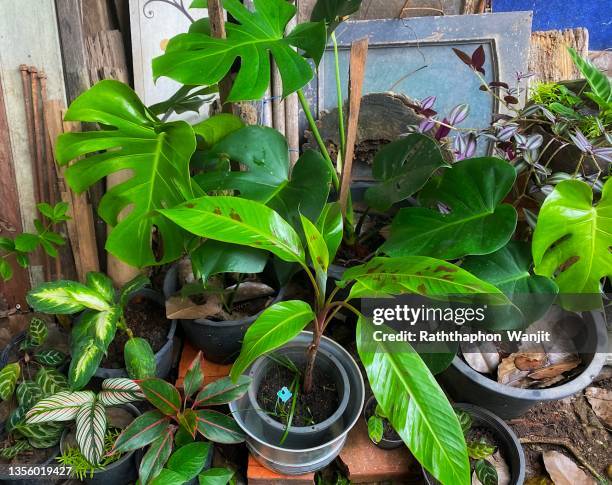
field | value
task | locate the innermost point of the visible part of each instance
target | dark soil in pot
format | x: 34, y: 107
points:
x: 147, y: 319
x: 390, y: 440
x: 312, y: 408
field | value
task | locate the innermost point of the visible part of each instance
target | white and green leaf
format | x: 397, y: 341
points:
x: 91, y: 429
x: 119, y: 391
x: 62, y: 406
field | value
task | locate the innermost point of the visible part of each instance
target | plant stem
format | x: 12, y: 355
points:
x: 317, y: 135
x: 311, y: 354
x: 339, y: 100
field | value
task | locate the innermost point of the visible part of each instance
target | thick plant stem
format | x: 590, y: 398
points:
x: 341, y: 131
x: 317, y: 135
x: 311, y: 355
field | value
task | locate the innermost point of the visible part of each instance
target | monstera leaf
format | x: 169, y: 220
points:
x: 403, y: 167
x: 509, y: 270
x: 199, y: 58
x: 477, y: 223
x: 572, y: 242
x: 414, y: 404
x: 156, y: 153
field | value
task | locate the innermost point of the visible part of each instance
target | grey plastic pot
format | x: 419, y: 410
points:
x: 163, y: 357
x: 220, y: 342
x: 120, y: 472
x: 384, y: 443
x: 464, y: 384
x: 506, y: 441
x: 306, y: 449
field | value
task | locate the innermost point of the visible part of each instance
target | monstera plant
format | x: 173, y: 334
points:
x: 102, y: 315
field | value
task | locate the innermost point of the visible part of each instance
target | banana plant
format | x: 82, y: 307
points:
x: 88, y: 410
x: 179, y: 419
x: 102, y: 314
x: 415, y: 406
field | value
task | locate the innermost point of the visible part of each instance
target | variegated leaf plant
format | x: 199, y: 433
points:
x: 179, y: 418
x: 88, y: 410
x: 101, y: 311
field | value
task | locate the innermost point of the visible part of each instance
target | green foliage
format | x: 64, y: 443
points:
x: 465, y: 420
x: 478, y: 223
x: 486, y: 472
x: 214, y: 257
x: 214, y: 129
x: 571, y: 242
x: 28, y: 393
x: 216, y: 476
x: 139, y: 358
x: 50, y: 357
x: 197, y: 58
x: 375, y: 428
x: 8, y: 380
x: 37, y: 331
x: 480, y: 449
x: 155, y: 152
x: 10, y: 452
x: 187, y: 98
x: 601, y: 86
x: 331, y: 225
x: 332, y: 12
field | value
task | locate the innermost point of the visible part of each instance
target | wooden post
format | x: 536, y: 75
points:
x: 548, y: 56
x: 359, y: 54
x: 217, y: 27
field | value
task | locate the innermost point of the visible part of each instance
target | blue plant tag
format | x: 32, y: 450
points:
x: 284, y: 394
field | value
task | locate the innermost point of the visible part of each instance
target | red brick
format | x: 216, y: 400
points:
x: 260, y: 475
x: 212, y: 371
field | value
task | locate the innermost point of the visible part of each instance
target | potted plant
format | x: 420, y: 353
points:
x: 380, y: 430
x: 103, y: 313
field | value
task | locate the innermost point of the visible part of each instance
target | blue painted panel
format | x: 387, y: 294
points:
x: 595, y: 15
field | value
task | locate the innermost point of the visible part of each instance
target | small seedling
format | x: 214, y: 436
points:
x: 376, y: 424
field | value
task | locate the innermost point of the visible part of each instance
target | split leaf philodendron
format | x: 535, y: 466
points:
x: 102, y: 315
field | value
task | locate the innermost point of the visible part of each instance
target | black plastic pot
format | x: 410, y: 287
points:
x: 308, y: 448
x: 506, y: 441
x: 464, y: 384
x: 220, y: 342
x: 163, y: 357
x: 121, y: 472
x: 384, y: 443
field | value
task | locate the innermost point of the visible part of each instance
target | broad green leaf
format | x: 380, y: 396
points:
x: 162, y: 395
x: 189, y: 459
x: 238, y: 221
x: 215, y: 476
x: 222, y: 391
x: 572, y: 242
x: 41, y: 434
x: 37, y: 331
x: 199, y: 4
x: 139, y: 358
x: 333, y: 11
x: 478, y: 223
x: 101, y: 284
x: 465, y: 420
x: 168, y: 477
x: 50, y: 357
x: 135, y: 284
x: 189, y: 421
x: 186, y: 98
x: 415, y: 405
x: 8, y: 380
x: 434, y: 278
x: 86, y: 358
x: 156, y: 153
x: 509, y: 270
x: 277, y: 325
x: 155, y: 458
x: 218, y: 427
x: 6, y: 272
x: 214, y: 257
x: 28, y: 393
x: 600, y: 83
x: 16, y: 417
x: 330, y: 225
x: 402, y: 167
x: 194, y: 377
x: 62, y: 406
x: 319, y: 254
x: 216, y: 128
x: 91, y: 429
x: 375, y: 428
x: 65, y: 297
x: 486, y: 472
x: 51, y: 381
x: 198, y: 58
x: 479, y: 449
x: 143, y: 430
x: 26, y: 242
x: 119, y: 391
x: 100, y: 326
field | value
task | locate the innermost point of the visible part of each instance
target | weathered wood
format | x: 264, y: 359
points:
x: 217, y: 28
x: 359, y: 54
x: 13, y: 291
x: 548, y: 57
x: 278, y: 103
x: 474, y: 6
x: 603, y: 60
x: 292, y: 112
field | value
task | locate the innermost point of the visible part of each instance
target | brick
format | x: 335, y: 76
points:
x: 364, y: 462
x: 259, y: 475
x: 212, y: 371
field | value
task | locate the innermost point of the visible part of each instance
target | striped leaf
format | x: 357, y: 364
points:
x: 119, y: 391
x: 62, y: 406
x: 162, y: 395
x: 98, y: 325
x: 43, y: 435
x: 90, y: 430
x: 86, y: 359
x: 189, y: 422
x: 28, y: 393
x: 143, y: 430
x: 51, y: 381
x: 50, y: 357
x: 222, y: 391
x: 139, y: 358
x: 37, y: 331
x: 10, y: 452
x: 102, y: 285
x: 132, y: 286
x: 8, y: 379
x: 218, y: 427
x: 156, y: 457
x: 65, y: 297
x: 15, y: 418
x: 194, y: 378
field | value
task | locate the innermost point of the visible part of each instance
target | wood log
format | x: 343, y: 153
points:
x: 217, y: 27
x: 548, y: 57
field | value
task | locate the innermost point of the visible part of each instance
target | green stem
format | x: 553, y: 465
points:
x: 317, y: 135
x: 340, y: 100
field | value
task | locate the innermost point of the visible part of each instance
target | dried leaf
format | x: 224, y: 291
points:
x: 250, y: 290
x: 564, y: 471
x: 555, y: 370
x: 482, y: 357
x: 539, y: 481
x: 508, y: 374
x: 183, y: 308
x: 530, y: 360
x: 601, y: 402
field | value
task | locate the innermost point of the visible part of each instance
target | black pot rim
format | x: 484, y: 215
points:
x: 552, y: 393
x: 396, y: 443
x: 135, y: 412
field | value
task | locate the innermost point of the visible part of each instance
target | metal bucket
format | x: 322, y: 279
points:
x: 306, y: 449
